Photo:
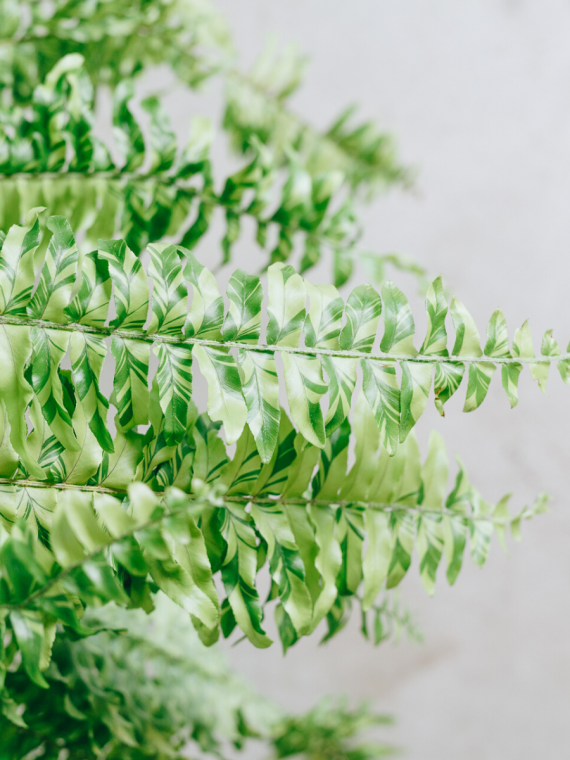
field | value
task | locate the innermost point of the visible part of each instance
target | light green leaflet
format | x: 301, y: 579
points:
x: 363, y: 309
x: 399, y: 325
x: 87, y: 354
x: 58, y: 274
x: 238, y: 574
x: 323, y: 330
x: 91, y: 304
x: 430, y: 527
x: 225, y: 398
x: 435, y: 343
x: 207, y: 309
x: 285, y: 564
x: 467, y: 341
x: 130, y: 284
x: 286, y: 305
x: 17, y: 265
x: 130, y: 385
x: 48, y: 349
x: 305, y: 387
x: 169, y: 294
x: 539, y: 371
x: 357, y: 484
x: 416, y: 385
x: 260, y: 385
x: 174, y: 381
x: 380, y: 386
x: 243, y: 320
x: 447, y: 378
x: 15, y: 391
x: 8, y: 457
x: 497, y: 345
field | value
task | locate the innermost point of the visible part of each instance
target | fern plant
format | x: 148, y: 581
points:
x: 304, y: 465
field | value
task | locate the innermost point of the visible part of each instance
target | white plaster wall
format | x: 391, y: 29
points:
x: 478, y: 95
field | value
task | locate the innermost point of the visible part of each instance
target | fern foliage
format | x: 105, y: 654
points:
x: 68, y: 314
x: 117, y: 40
x: 172, y: 517
x: 308, y: 510
x: 144, y: 687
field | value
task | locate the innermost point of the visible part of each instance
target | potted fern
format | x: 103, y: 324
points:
x: 106, y: 301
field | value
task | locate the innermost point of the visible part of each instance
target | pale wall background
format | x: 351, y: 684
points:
x: 478, y: 95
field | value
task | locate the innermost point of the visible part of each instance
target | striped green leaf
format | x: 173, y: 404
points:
x: 416, y: 385
x: 380, y: 386
x: 399, y: 325
x: 130, y: 385
x: 87, y: 354
x: 260, y: 387
x: 58, y: 274
x: 363, y: 309
x: 174, y: 380
x: 447, y: 379
x: 323, y: 322
x: 17, y: 273
x: 225, y: 399
x: 170, y: 291
x: 130, y: 284
x: 286, y: 305
x: 243, y: 320
x: 207, y: 309
x: 15, y: 391
x: 48, y: 350
x: 90, y: 306
x: 435, y: 342
x: 305, y: 387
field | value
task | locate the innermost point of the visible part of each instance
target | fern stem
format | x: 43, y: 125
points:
x: 380, y: 356
x: 261, y: 500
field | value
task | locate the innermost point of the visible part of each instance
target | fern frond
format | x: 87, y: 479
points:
x: 256, y: 106
x: 67, y: 315
x: 153, y: 515
x: 116, y: 41
x: 51, y: 157
x: 105, y: 689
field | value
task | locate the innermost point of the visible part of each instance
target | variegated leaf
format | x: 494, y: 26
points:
x: 435, y: 342
x: 90, y: 306
x: 305, y: 387
x: 174, y: 380
x: 243, y: 320
x: 58, y: 274
x: 17, y: 273
x: 170, y: 291
x: 446, y: 381
x: 324, y: 319
x: 206, y: 313
x: 225, y: 399
x: 478, y: 381
x: 260, y: 387
x: 286, y: 305
x: 130, y: 385
x: 540, y: 370
x: 416, y: 384
x: 130, y: 284
x: 399, y: 324
x: 48, y: 350
x: 467, y: 340
x: 363, y: 309
x: 87, y: 354
x: 380, y: 386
